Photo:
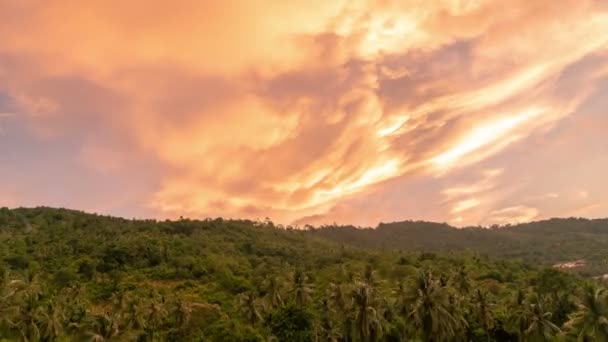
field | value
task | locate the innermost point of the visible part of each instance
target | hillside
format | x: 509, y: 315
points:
x: 545, y: 242
x: 73, y: 276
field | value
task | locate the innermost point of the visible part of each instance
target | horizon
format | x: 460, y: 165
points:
x: 334, y: 224
x: 472, y: 113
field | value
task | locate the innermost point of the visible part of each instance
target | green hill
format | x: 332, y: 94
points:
x: 73, y: 276
x: 544, y: 243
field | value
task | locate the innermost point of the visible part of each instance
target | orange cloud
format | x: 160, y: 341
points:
x: 290, y: 109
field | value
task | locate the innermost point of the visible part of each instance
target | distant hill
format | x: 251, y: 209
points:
x: 544, y: 242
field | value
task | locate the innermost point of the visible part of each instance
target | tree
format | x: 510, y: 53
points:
x: 156, y: 316
x: 484, y: 313
x: 462, y: 282
x: 328, y: 330
x: 273, y: 292
x: 339, y: 302
x: 430, y: 310
x: 134, y: 315
x: 539, y: 325
x: 517, y: 319
x: 6, y: 301
x: 366, y: 317
x: 401, y: 299
x: 338, y: 298
x: 52, y: 321
x: 26, y: 321
x: 189, y: 295
x: 291, y: 323
x: 402, y: 308
x: 182, y: 313
x: 368, y: 275
x: 590, y: 321
x: 249, y: 308
x: 301, y: 289
x: 103, y: 328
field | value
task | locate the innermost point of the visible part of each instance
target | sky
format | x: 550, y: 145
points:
x: 471, y: 112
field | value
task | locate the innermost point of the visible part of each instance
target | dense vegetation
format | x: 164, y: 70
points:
x: 71, y: 276
x: 543, y: 243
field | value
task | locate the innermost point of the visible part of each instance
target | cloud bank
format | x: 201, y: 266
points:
x: 465, y: 111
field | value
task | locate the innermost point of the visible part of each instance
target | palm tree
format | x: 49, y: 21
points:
x: 182, y: 313
x: 52, y: 321
x: 27, y: 318
x: 517, y: 320
x: 103, y: 328
x: 328, y: 331
x: 74, y: 307
x: 340, y: 304
x: 4, y: 282
x: 273, y: 292
x: 301, y: 288
x: 484, y: 313
x: 539, y: 325
x: 401, y: 299
x: 156, y: 316
x: 368, y: 275
x: 6, y: 296
x: 367, y: 320
x: 430, y: 310
x: 133, y: 316
x: 338, y: 297
x: 462, y: 281
x: 32, y: 286
x: 590, y: 322
x: 249, y: 308
x: 401, y: 307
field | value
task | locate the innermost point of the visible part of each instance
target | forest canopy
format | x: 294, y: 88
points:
x: 73, y: 276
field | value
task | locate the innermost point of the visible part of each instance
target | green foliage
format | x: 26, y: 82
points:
x: 543, y: 243
x: 71, y: 276
x: 291, y: 324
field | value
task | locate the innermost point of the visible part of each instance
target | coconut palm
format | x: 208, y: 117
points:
x: 430, y: 310
x: 338, y: 297
x: 340, y: 304
x: 156, y: 316
x: 367, y: 319
x: 26, y: 318
x: 6, y: 296
x: 401, y: 299
x: 52, y: 321
x: 182, y: 313
x: 517, y: 320
x: 590, y: 321
x: 539, y: 326
x: 102, y: 328
x: 4, y: 290
x: 134, y: 315
x: 369, y: 275
x: 31, y: 285
x: 484, y: 313
x: 249, y: 307
x: 401, y: 307
x: 273, y: 292
x: 462, y: 282
x: 328, y: 330
x: 74, y: 308
x: 301, y: 289
x: 120, y: 302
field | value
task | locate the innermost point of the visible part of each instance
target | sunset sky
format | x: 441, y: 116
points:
x: 356, y: 112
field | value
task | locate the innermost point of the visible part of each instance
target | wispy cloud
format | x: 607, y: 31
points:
x: 299, y: 110
x: 4, y: 116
